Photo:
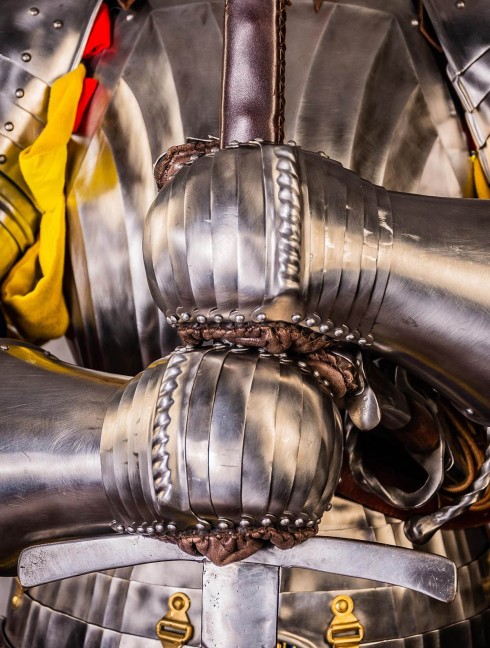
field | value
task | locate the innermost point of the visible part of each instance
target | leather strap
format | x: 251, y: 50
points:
x: 252, y: 103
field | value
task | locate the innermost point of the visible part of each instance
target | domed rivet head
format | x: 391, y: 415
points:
x: 185, y: 317
x: 261, y: 317
x: 329, y: 507
x: 171, y: 527
x: 460, y: 4
x: 159, y: 528
x: 173, y: 319
x: 201, y: 319
x: 310, y: 322
x: 3, y: 159
x: 299, y: 522
x: 239, y: 319
x: 218, y: 319
x: 19, y: 93
x: 223, y: 525
x: 361, y: 341
x: 129, y: 17
x: 244, y: 523
x: 415, y: 22
x: 150, y: 530
x: 140, y: 530
x: 58, y: 24
x: 200, y: 526
x: 291, y: 143
x: 324, y: 328
x: 266, y: 522
x: 130, y: 529
x: 310, y: 524
x: 338, y: 332
x: 296, y: 318
x: 350, y: 337
x: 26, y: 57
x: 9, y: 126
x: 33, y: 11
x: 285, y: 521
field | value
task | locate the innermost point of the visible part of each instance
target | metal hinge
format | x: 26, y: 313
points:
x: 175, y: 629
x: 345, y: 631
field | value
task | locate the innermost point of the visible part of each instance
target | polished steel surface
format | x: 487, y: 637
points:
x: 462, y: 29
x: 419, y: 142
x: 221, y: 437
x: 362, y: 264
x: 120, y: 598
x: 395, y: 124
x: 239, y: 606
x: 427, y: 573
x: 51, y: 415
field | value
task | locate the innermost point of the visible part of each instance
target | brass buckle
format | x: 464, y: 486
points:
x: 175, y: 629
x: 345, y: 631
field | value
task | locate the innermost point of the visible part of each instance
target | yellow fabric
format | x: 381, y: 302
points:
x: 481, y: 184
x: 32, y: 293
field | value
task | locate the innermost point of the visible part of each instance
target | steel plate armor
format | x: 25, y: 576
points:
x: 285, y: 336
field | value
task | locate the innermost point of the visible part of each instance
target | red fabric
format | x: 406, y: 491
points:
x: 100, y: 36
x: 89, y: 87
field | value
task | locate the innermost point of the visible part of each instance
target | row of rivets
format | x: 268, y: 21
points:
x: 341, y: 331
x: 160, y: 528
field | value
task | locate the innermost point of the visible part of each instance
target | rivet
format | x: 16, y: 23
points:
x: 218, y: 319
x: 130, y: 529
x: 9, y: 126
x: 223, y: 525
x: 338, y: 332
x: 33, y: 11
x: 299, y: 522
x: 310, y: 523
x: 285, y: 521
x: 296, y: 318
x: 323, y: 154
x: 171, y: 527
x: 350, y: 337
x: 415, y: 22
x: 119, y: 528
x: 150, y: 530
x: 469, y: 411
x: 159, y: 528
x: 244, y: 523
x: 239, y: 319
x: 4, y: 347
x: 129, y: 17
x: 173, y: 319
x: 201, y: 319
x: 460, y: 4
x: 3, y: 159
x: 261, y: 317
x: 310, y: 322
x: 185, y: 317
x: 19, y: 93
x: 291, y: 143
x: 58, y: 24
x: 140, y: 530
x: 26, y: 57
x: 266, y: 522
x: 324, y: 328
x: 361, y: 341
x: 200, y: 526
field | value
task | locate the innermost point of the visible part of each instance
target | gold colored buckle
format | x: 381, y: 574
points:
x: 345, y: 631
x: 175, y: 629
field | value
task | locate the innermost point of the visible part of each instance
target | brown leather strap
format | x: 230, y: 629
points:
x: 252, y: 103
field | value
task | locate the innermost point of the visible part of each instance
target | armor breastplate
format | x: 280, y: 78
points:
x: 372, y: 98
